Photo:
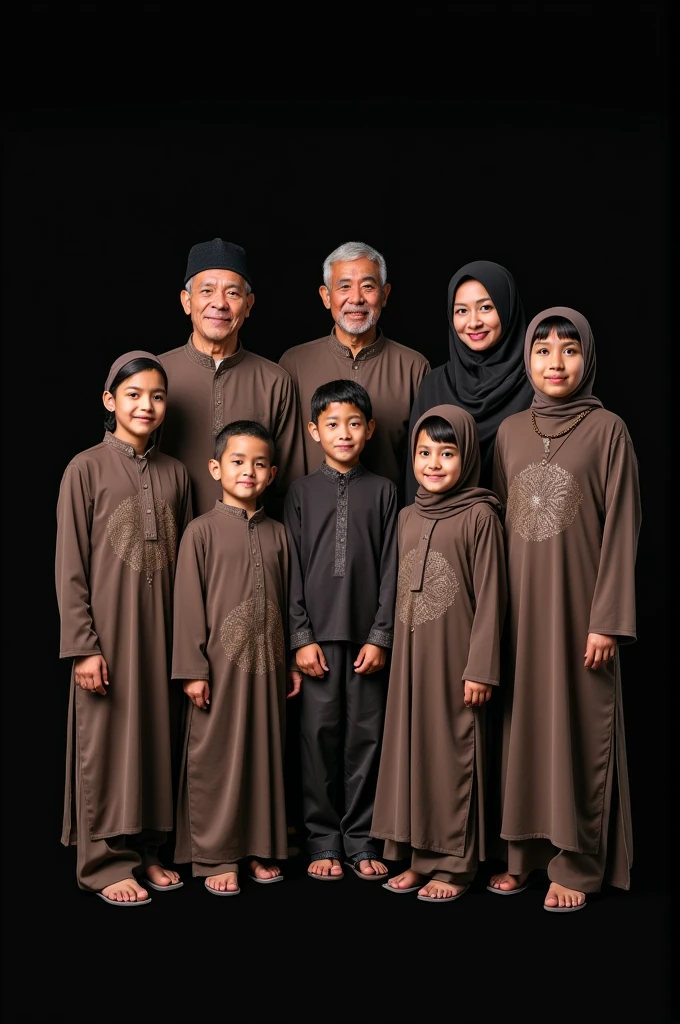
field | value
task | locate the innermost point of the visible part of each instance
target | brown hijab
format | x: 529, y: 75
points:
x: 466, y: 491
x: 127, y: 357
x: 582, y: 398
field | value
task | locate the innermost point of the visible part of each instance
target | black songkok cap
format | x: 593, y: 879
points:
x: 217, y: 255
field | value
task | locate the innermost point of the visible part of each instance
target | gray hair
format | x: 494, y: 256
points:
x: 187, y: 286
x: 354, y: 251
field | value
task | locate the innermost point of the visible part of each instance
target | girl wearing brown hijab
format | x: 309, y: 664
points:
x: 121, y: 511
x: 567, y: 474
x: 485, y: 370
x: 429, y: 804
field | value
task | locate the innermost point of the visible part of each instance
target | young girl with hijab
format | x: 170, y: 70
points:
x: 485, y: 370
x: 121, y: 510
x: 566, y: 472
x: 451, y: 600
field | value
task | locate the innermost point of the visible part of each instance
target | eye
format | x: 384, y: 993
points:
x: 486, y: 307
x: 460, y: 311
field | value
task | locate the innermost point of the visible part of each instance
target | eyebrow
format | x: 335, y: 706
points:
x: 366, y: 277
x: 475, y: 303
x: 134, y: 387
x: 242, y: 455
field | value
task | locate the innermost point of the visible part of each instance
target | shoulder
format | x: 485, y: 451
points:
x: 269, y: 370
x: 406, y: 513
x: 172, y: 356
x: 88, y: 459
x: 511, y: 423
x: 295, y: 353
x: 405, y: 355
x: 381, y: 484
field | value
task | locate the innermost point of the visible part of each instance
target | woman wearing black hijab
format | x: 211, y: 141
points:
x: 485, y: 372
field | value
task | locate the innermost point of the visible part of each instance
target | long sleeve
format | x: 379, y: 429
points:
x: 190, y: 632
x: 490, y: 587
x: 74, y: 523
x: 612, y: 610
x: 186, y: 505
x: 499, y: 483
x: 300, y: 627
x: 420, y: 405
x: 290, y: 452
x: 382, y: 630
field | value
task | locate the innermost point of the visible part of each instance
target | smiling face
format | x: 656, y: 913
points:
x: 342, y: 431
x: 557, y: 365
x: 436, y: 465
x: 139, y: 405
x: 475, y: 317
x: 245, y: 469
x: 355, y: 298
x: 217, y: 305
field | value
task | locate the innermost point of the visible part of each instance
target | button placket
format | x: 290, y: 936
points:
x: 258, y: 576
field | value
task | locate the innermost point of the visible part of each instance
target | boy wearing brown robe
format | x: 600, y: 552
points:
x: 214, y: 380
x: 230, y: 653
x: 445, y: 664
x: 341, y: 524
x: 355, y: 291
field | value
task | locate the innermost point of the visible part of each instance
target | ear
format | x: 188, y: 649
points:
x: 185, y: 299
x: 387, y: 288
x: 325, y: 296
x: 370, y: 427
x: 272, y: 474
x: 109, y: 401
x: 215, y: 471
x: 314, y: 431
x: 250, y: 299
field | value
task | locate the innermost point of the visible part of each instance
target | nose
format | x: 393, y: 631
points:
x: 474, y: 319
x: 355, y: 296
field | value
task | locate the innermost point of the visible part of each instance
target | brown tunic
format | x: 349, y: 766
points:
x: 245, y: 386
x: 571, y: 532
x: 446, y: 632
x: 391, y: 373
x: 230, y: 608
x: 119, y: 521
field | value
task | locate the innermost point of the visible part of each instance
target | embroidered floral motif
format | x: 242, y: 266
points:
x: 543, y: 501
x: 126, y: 533
x: 255, y: 647
x: 438, y: 593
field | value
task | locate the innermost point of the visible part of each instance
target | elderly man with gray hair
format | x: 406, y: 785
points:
x: 355, y: 290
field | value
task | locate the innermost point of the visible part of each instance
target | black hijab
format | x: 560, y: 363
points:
x: 490, y: 385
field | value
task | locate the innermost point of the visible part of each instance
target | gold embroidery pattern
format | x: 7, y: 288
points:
x: 126, y: 533
x: 543, y: 501
x: 255, y: 650
x: 438, y: 593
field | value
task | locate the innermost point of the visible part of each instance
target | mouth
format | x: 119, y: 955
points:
x: 343, y: 447
x: 556, y: 380
x: 246, y: 483
x: 477, y: 335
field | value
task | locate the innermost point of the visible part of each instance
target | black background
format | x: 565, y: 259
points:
x: 535, y: 135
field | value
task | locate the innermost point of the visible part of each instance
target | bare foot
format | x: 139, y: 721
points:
x: 507, y: 882
x: 560, y: 896
x: 371, y: 867
x: 261, y: 870
x: 126, y: 891
x: 437, y: 890
x: 226, y: 882
x: 406, y: 880
x: 325, y: 866
x: 161, y: 876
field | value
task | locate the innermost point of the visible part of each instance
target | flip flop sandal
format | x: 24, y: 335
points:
x: 265, y: 881
x: 160, y: 888
x: 121, y: 903
x: 402, y: 892
x: 565, y: 910
x: 354, y: 865
x: 443, y: 899
x: 221, y: 892
x: 509, y: 892
x: 326, y: 878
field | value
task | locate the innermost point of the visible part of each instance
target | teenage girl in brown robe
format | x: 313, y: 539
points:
x: 445, y: 663
x: 121, y: 511
x: 567, y: 474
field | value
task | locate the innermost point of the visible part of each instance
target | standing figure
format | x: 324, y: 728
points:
x: 567, y: 474
x: 485, y: 370
x: 451, y: 597
x: 121, y: 511
x: 214, y: 380
x: 355, y: 290
x: 341, y: 524
x: 230, y: 653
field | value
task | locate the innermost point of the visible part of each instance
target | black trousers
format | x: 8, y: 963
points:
x: 341, y: 725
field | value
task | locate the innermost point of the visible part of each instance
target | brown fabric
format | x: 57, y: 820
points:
x: 559, y: 411
x: 232, y: 577
x: 121, y: 361
x: 119, y: 521
x: 446, y: 633
x: 203, y: 399
x: 390, y: 373
x: 572, y: 527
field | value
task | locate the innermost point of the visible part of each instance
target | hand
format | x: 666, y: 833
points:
x: 92, y: 673
x: 476, y: 694
x: 310, y: 660
x: 599, y: 648
x: 198, y: 692
x: 294, y: 683
x: 371, y: 658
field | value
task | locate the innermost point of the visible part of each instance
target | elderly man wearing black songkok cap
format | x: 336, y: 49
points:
x: 214, y: 380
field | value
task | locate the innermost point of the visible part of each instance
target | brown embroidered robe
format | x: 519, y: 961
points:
x: 119, y: 522
x: 245, y: 386
x: 232, y: 576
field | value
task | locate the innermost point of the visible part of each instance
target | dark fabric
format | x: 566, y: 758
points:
x: 490, y: 385
x: 561, y: 410
x: 340, y: 731
x: 342, y: 589
x: 217, y: 255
